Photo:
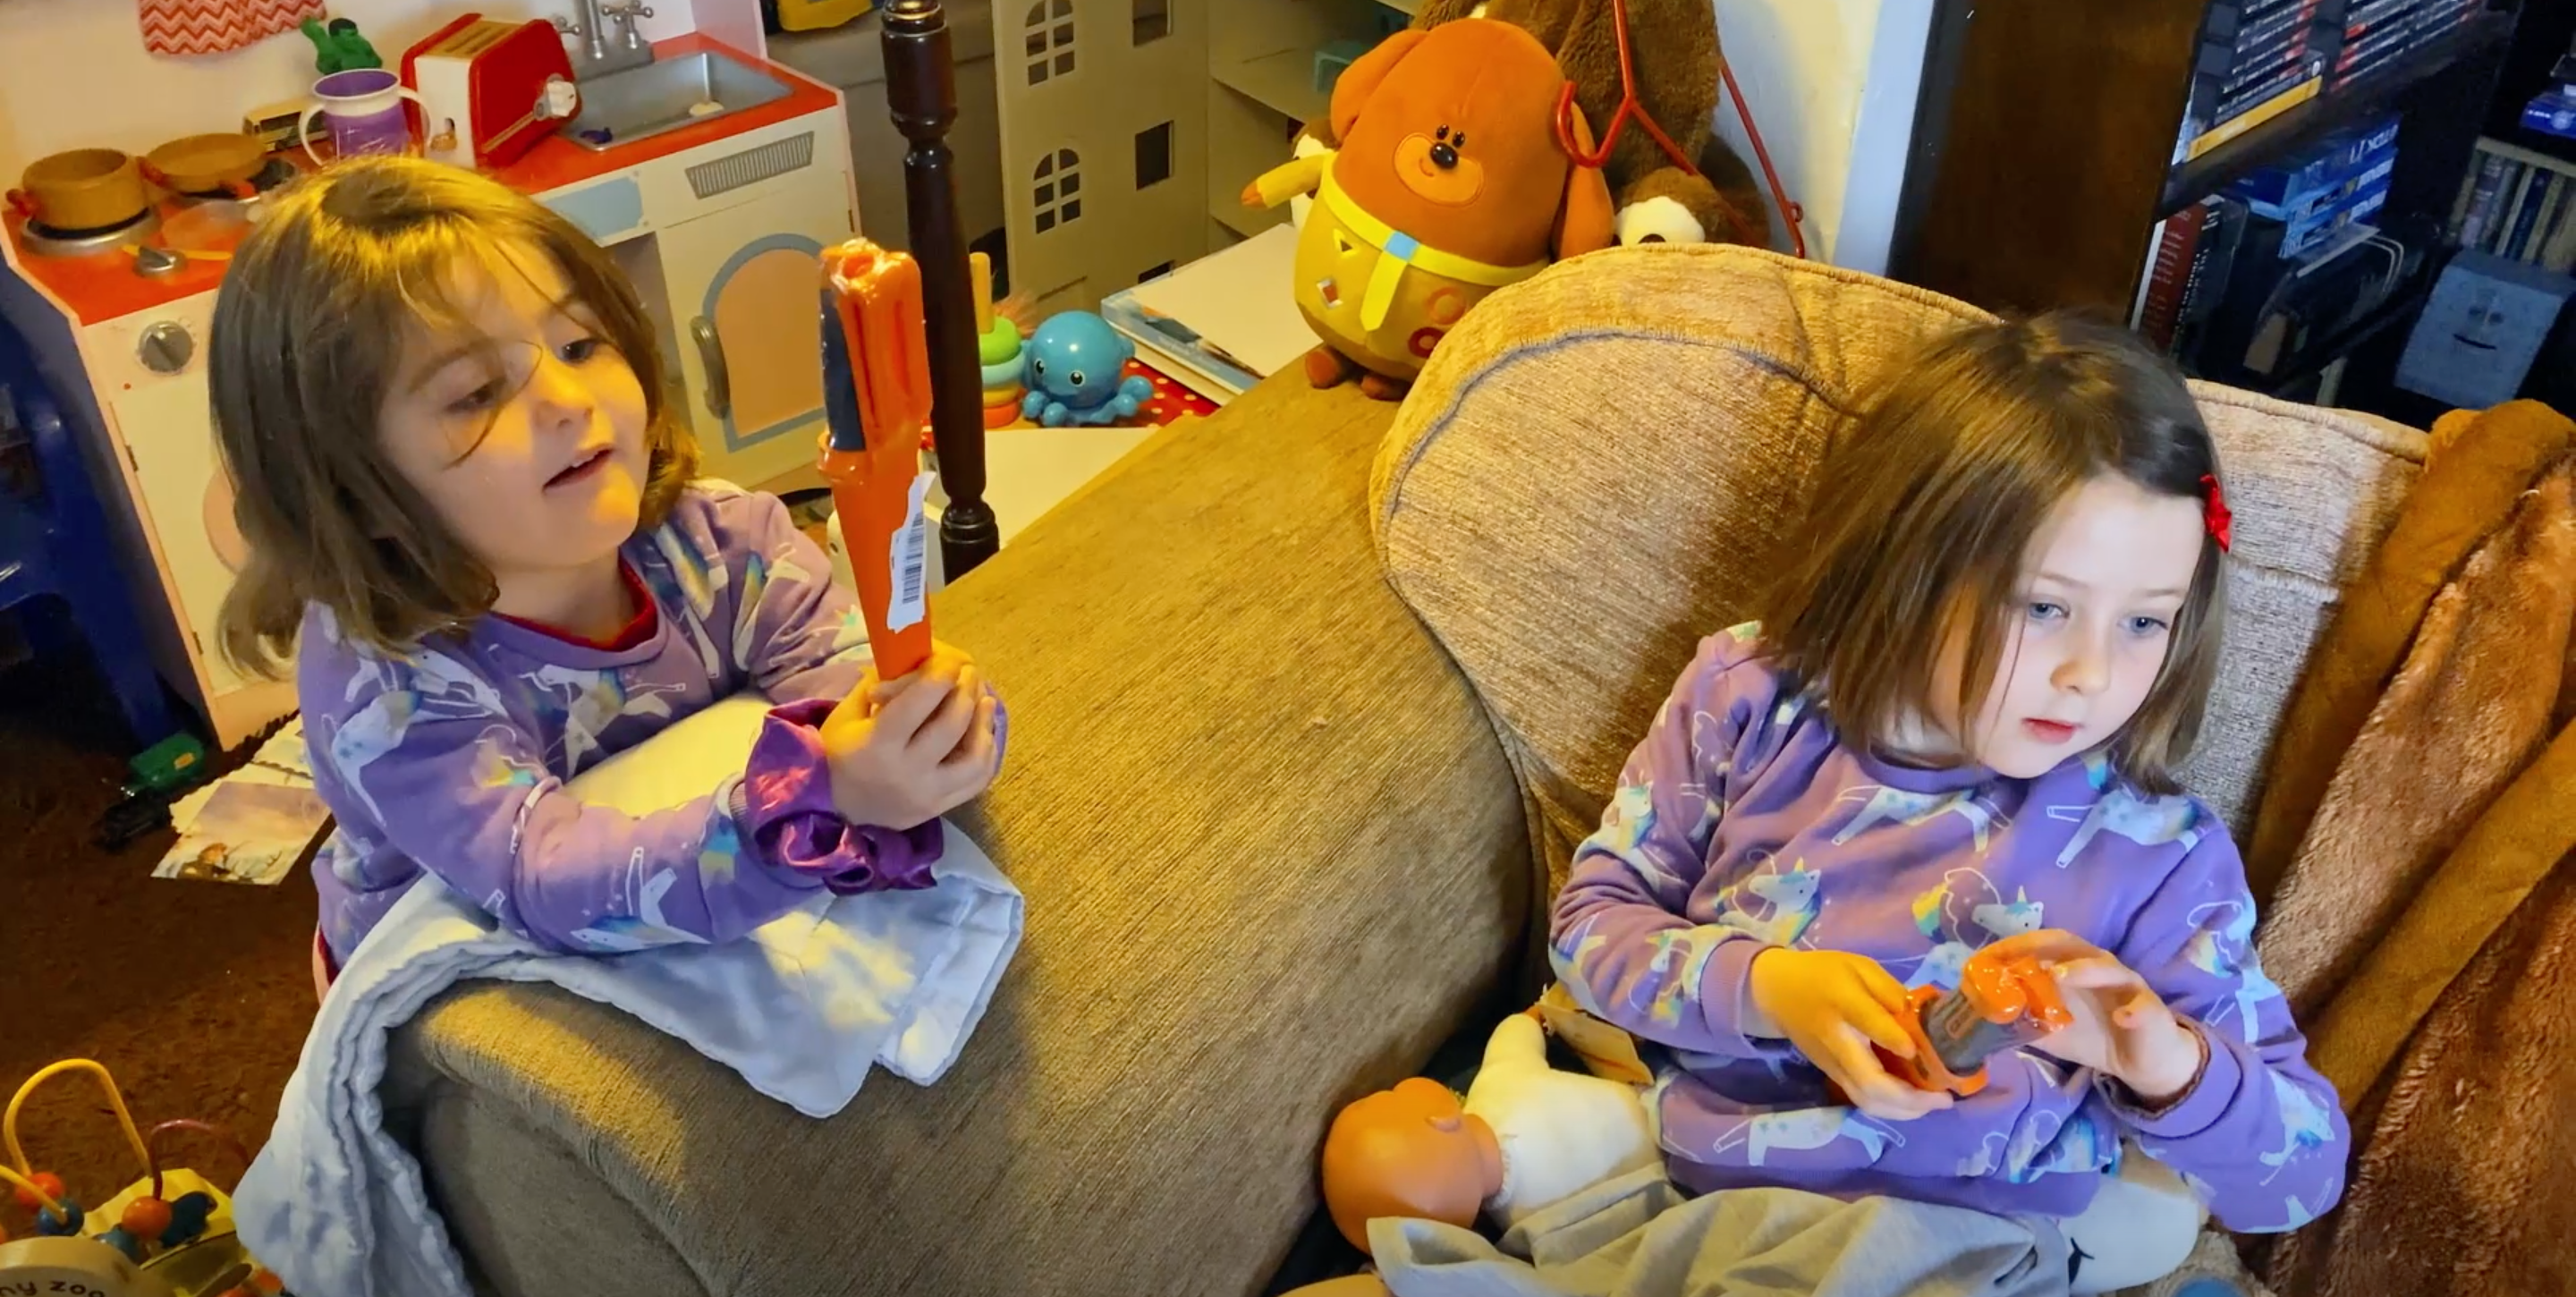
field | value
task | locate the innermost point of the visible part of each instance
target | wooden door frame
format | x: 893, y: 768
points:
x: 2049, y: 199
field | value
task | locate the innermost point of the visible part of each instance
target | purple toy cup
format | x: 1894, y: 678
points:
x: 363, y: 108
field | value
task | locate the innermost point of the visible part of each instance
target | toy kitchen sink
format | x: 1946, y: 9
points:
x: 631, y: 91
x: 665, y: 95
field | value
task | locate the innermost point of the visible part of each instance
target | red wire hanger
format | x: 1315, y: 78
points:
x: 1630, y: 109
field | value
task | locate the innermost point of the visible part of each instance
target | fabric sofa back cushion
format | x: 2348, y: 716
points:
x: 1596, y: 466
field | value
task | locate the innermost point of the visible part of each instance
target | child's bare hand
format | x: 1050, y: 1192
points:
x: 2122, y: 1028
x: 906, y: 751
x: 1833, y: 1006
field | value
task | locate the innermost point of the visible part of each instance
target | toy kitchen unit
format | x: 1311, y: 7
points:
x: 715, y: 176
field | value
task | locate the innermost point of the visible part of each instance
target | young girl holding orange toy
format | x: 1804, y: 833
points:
x: 1954, y: 734
x: 471, y: 518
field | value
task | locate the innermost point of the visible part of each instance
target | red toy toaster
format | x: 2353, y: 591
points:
x: 490, y: 90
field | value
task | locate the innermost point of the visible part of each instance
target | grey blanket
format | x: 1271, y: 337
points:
x: 1638, y: 1236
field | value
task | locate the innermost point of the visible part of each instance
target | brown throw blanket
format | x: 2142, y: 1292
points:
x: 2421, y: 798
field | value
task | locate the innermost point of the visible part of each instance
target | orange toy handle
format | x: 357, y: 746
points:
x: 876, y: 392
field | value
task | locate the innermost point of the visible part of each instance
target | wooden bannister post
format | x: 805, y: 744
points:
x: 921, y: 93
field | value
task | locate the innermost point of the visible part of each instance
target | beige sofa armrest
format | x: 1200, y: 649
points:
x: 1272, y: 853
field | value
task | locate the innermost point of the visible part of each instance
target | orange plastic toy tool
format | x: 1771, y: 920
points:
x: 876, y: 397
x: 2000, y: 1003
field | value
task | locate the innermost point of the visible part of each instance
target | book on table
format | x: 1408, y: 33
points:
x: 1223, y: 322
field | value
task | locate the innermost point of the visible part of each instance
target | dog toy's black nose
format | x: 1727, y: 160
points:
x: 1445, y: 155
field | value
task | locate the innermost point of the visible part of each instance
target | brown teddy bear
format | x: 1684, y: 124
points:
x: 1675, y: 46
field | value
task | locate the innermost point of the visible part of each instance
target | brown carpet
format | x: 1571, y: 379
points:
x: 196, y: 995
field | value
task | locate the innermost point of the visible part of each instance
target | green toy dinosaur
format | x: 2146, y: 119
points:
x: 340, y: 46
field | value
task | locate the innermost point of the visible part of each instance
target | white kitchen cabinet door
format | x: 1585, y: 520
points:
x: 168, y: 426
x: 744, y: 287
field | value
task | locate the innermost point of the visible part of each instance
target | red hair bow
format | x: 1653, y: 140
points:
x: 2213, y: 512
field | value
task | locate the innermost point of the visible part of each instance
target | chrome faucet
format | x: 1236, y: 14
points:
x: 601, y: 53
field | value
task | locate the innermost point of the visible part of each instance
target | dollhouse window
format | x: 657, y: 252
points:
x: 1048, y: 42
x: 1059, y: 188
x: 1049, y: 39
x: 1152, y: 20
x: 1153, y: 155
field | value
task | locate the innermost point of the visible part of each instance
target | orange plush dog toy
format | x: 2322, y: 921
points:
x: 1449, y: 183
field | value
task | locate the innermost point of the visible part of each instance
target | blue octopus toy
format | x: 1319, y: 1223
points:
x: 1074, y: 365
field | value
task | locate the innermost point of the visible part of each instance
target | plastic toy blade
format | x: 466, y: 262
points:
x: 878, y: 297
x: 876, y: 393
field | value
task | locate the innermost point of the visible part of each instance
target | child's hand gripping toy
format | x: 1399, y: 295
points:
x: 2001, y: 1004
x: 876, y: 398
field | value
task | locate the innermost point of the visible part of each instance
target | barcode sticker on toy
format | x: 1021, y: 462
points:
x: 910, y: 556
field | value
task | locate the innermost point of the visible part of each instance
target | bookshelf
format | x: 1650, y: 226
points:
x: 2547, y: 32
x: 2520, y: 204
x: 2045, y: 149
x: 2478, y: 40
x: 1262, y: 89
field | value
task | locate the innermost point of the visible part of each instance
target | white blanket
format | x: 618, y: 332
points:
x: 802, y: 1009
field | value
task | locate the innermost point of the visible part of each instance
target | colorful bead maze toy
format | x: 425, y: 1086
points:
x: 168, y: 1234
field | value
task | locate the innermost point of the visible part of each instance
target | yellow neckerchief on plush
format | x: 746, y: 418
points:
x: 1397, y: 250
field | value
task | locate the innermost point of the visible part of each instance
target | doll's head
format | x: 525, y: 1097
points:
x: 1410, y: 1151
x: 2014, y: 558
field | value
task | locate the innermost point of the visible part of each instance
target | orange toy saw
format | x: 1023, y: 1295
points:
x: 876, y: 398
x: 2000, y: 1004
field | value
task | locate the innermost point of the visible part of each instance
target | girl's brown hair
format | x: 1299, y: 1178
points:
x: 309, y: 332
x: 1928, y: 505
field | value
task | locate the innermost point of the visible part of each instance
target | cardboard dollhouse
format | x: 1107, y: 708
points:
x: 1129, y: 127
